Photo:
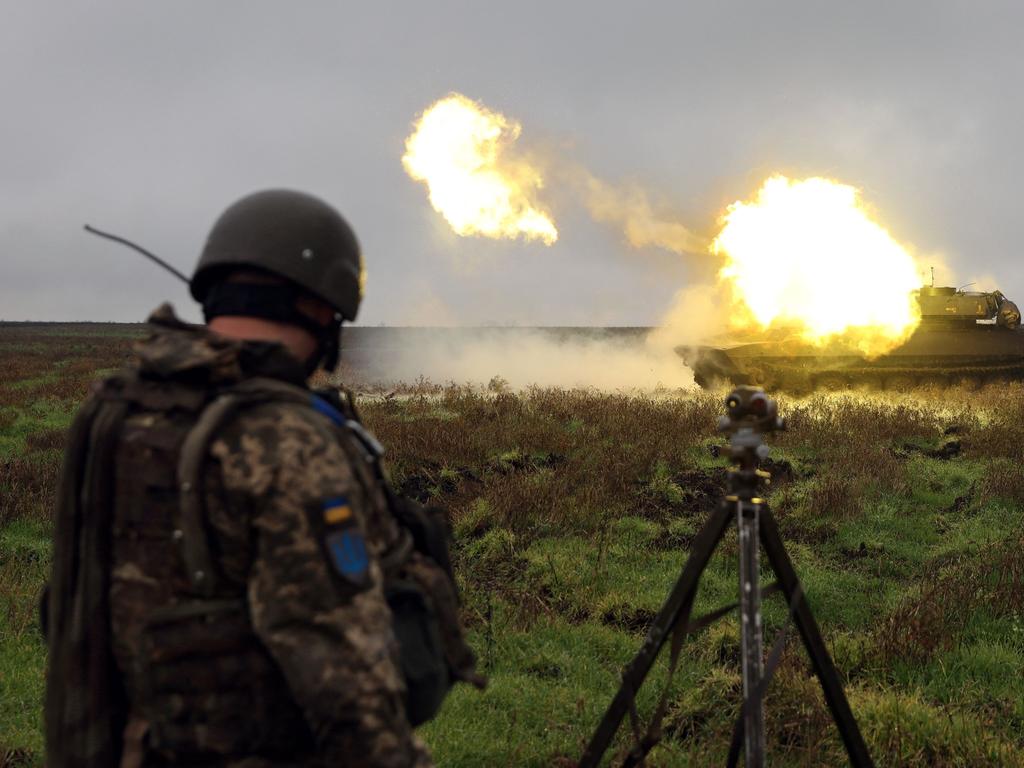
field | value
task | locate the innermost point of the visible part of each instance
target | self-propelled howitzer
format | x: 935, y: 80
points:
x: 963, y: 336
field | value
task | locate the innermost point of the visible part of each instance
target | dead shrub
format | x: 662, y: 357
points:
x: 875, y: 465
x: 546, y: 457
x: 835, y: 496
x: 798, y: 722
x: 1004, y: 479
x: 845, y: 422
x: 64, y: 388
x: 46, y: 440
x: 1000, y: 438
x: 27, y: 487
x: 930, y: 622
x: 16, y: 758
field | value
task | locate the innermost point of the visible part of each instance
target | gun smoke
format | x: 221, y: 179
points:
x: 615, y: 359
x: 485, y: 184
x: 630, y: 209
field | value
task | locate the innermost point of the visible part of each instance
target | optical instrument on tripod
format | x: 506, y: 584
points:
x: 750, y: 415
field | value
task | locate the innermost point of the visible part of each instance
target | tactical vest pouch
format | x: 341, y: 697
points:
x: 422, y: 657
x: 211, y: 689
x: 429, y: 529
x: 430, y: 568
x: 424, y: 607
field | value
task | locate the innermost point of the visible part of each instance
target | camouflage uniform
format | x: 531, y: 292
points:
x: 289, y: 662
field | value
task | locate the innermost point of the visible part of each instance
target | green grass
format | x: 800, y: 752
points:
x: 546, y: 685
x: 24, y: 558
x: 573, y: 513
x: 40, y: 416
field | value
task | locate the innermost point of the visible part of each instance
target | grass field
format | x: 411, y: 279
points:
x: 573, y: 512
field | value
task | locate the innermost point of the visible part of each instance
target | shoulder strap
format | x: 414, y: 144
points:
x: 195, y: 548
x: 199, y: 564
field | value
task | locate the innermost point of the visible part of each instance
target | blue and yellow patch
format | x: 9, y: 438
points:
x: 337, y: 511
x: 348, y: 554
x: 344, y: 541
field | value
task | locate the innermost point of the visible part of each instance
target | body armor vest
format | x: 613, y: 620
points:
x: 199, y: 686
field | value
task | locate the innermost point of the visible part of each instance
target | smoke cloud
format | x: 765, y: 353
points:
x: 608, y: 360
x: 630, y: 209
x: 484, y: 180
x: 697, y: 313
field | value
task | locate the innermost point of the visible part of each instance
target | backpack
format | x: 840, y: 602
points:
x: 85, y: 705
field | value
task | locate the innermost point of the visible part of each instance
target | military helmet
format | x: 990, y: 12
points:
x: 289, y: 234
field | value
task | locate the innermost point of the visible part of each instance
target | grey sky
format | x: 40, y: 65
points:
x: 148, y: 118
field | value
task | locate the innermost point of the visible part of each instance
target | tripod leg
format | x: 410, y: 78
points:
x: 747, y: 518
x: 811, y: 635
x: 675, y: 610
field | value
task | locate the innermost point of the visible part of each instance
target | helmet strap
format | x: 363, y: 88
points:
x: 330, y: 346
x: 275, y: 302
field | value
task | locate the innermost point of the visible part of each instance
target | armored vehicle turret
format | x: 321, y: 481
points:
x: 971, y: 336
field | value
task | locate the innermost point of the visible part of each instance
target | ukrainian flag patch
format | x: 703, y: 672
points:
x: 337, y: 511
x: 344, y: 542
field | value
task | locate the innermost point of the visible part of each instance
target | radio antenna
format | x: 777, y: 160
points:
x: 138, y: 248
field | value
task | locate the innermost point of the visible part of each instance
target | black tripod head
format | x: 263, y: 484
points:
x: 749, y: 408
x: 749, y: 415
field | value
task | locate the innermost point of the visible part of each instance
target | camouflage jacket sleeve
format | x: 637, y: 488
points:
x: 315, y: 584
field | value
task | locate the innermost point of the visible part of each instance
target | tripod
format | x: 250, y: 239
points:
x: 749, y: 416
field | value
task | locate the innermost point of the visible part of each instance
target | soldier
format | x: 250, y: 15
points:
x: 234, y: 583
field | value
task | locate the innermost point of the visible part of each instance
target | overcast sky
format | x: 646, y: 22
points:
x: 148, y: 118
